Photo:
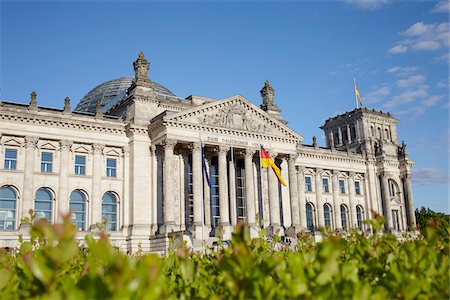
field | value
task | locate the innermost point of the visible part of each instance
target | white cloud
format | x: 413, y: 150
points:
x: 402, y: 71
x: 407, y: 97
x: 410, y: 81
x: 429, y: 176
x: 377, y: 94
x: 441, y: 7
x: 398, y: 49
x: 432, y: 100
x: 443, y: 83
x: 423, y: 37
x: 368, y: 4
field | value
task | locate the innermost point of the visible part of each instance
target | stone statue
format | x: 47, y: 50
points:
x: 33, y: 101
x: 141, y: 66
x: 314, y: 141
x: 402, y: 149
x: 67, y: 104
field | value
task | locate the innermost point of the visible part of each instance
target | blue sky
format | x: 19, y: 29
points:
x: 309, y: 51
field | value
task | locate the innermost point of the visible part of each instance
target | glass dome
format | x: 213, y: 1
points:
x: 108, y: 90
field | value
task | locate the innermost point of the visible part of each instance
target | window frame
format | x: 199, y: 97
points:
x: 309, y: 210
x: 46, y: 165
x: 344, y: 216
x: 84, y: 211
x: 11, y: 220
x: 325, y: 187
x: 36, y: 200
x: 327, y: 215
x: 10, y: 163
x: 308, y: 187
x: 358, y: 187
x: 341, y: 183
x: 111, y: 171
x: 114, y: 213
x: 79, y: 169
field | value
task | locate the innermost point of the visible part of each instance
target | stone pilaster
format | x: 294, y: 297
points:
x: 154, y: 189
x: 293, y: 193
x: 336, y: 202
x: 301, y: 197
x: 232, y: 188
x: 351, y: 197
x: 387, y: 212
x: 63, y: 193
x: 28, y: 188
x: 126, y: 188
x: 169, y: 218
x: 274, y: 201
x: 319, y: 202
x: 223, y: 192
x: 97, y: 169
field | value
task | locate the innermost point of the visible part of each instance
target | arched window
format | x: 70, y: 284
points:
x: 309, y: 216
x: 8, y: 204
x: 359, y: 216
x: 43, y: 204
x: 386, y: 134
x: 344, y: 216
x: 392, y: 188
x: 379, y: 132
x: 77, y: 205
x: 327, y: 215
x: 109, y: 210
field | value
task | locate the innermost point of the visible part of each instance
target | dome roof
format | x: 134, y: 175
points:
x: 108, y: 90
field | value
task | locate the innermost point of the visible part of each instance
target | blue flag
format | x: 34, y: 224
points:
x: 205, y: 170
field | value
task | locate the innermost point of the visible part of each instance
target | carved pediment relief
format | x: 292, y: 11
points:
x: 112, y: 152
x: 15, y: 142
x: 81, y: 149
x: 48, y: 146
x: 234, y: 113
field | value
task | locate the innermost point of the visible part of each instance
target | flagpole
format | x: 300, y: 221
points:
x: 354, y: 88
x: 261, y: 213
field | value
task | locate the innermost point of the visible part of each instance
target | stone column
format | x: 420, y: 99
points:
x: 336, y: 202
x: 97, y: 171
x: 351, y: 199
x: 349, y: 136
x: 340, y: 136
x: 207, y: 199
x: 63, y: 193
x: 197, y: 179
x: 293, y: 193
x: 232, y: 189
x: 274, y: 201
x: 387, y: 213
x: 301, y: 196
x: 249, y: 191
x: 169, y: 218
x: 319, y: 208
x: 410, y: 202
x: 223, y: 192
x: 28, y: 188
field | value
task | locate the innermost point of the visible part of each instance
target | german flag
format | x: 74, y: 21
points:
x: 267, y: 161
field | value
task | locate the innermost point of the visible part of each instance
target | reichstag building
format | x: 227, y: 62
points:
x: 154, y: 165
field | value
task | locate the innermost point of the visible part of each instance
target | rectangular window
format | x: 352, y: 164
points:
x: 357, y: 188
x: 325, y: 187
x: 10, y: 159
x: 341, y: 186
x: 80, y: 165
x: 308, y: 184
x: 111, y: 167
x: 46, y: 162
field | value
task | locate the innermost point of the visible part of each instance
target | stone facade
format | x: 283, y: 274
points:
x: 140, y: 162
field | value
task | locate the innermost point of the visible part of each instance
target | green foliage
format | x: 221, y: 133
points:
x: 427, y: 218
x: 356, y: 266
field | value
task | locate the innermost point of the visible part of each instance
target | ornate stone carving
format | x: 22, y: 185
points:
x: 301, y: 170
x: 235, y: 117
x: 196, y: 146
x: 31, y: 141
x: 141, y: 66
x: 65, y: 144
x: 249, y: 152
x: 153, y: 150
x: 169, y: 144
x: 98, y: 111
x: 223, y: 150
x: 352, y: 174
x: 67, y: 105
x: 33, y: 101
x: 402, y: 150
x: 314, y: 139
x: 292, y: 158
x: 98, y: 148
x: 319, y: 171
x: 126, y: 151
x: 268, y: 95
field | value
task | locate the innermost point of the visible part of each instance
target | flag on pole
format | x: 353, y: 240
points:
x: 267, y: 161
x: 205, y: 170
x: 358, y: 95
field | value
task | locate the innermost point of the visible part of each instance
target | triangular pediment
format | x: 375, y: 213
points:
x: 48, y: 146
x: 233, y: 114
x: 12, y: 142
x: 81, y: 149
